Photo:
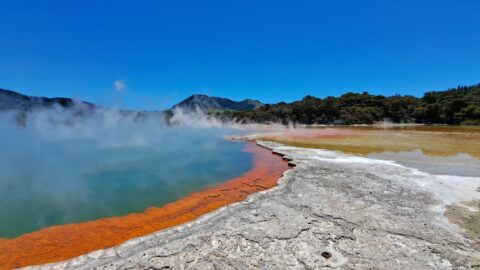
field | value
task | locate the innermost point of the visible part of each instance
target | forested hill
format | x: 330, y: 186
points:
x: 454, y: 106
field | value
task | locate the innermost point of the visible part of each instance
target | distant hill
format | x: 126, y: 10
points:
x: 458, y: 106
x: 11, y: 100
x: 207, y: 103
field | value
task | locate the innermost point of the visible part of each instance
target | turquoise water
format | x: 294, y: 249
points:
x: 49, y: 178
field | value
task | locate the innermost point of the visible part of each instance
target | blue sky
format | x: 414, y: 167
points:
x: 152, y: 54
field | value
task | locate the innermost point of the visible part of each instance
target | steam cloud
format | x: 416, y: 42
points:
x: 119, y: 85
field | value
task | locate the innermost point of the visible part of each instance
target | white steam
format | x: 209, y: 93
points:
x: 196, y: 118
x: 119, y: 85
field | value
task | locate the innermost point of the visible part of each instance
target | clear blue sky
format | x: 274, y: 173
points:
x: 160, y: 52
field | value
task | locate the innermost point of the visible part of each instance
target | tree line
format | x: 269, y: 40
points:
x: 458, y: 106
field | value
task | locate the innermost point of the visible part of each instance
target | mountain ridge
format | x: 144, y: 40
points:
x: 208, y: 103
x: 12, y: 100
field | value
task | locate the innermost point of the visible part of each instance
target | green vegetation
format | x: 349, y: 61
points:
x: 455, y: 106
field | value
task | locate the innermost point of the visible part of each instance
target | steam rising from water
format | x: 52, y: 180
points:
x: 69, y: 165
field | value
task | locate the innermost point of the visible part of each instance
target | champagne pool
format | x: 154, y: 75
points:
x: 53, y: 174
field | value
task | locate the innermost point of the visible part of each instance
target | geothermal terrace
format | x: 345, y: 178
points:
x: 331, y: 210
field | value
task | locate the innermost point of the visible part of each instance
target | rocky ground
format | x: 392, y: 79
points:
x: 330, y: 211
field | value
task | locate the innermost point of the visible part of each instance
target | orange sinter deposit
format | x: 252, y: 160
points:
x: 63, y: 242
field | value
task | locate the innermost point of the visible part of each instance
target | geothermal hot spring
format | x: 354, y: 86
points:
x: 61, y: 167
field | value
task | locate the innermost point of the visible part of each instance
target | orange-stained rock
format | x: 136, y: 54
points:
x: 63, y: 242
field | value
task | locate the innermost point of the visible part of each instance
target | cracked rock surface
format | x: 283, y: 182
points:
x: 329, y: 211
